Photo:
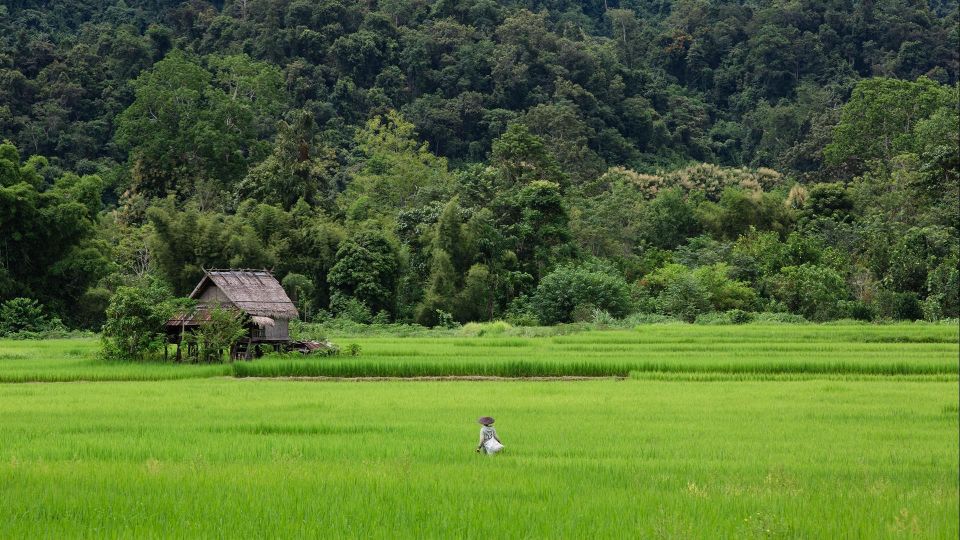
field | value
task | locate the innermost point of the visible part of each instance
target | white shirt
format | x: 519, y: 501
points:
x: 487, y: 433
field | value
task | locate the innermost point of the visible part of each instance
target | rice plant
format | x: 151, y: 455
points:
x: 585, y: 459
x: 492, y: 350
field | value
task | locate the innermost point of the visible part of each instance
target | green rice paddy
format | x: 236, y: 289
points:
x: 718, y: 432
x: 928, y: 350
x: 682, y: 350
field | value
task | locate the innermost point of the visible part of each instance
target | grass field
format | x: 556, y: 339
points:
x: 680, y: 349
x: 242, y: 458
x: 929, y: 351
x: 62, y: 360
x: 788, y: 444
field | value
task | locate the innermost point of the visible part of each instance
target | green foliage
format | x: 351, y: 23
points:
x: 493, y: 328
x: 220, y: 330
x: 738, y: 211
x: 605, y: 214
x: 48, y: 251
x: 734, y: 316
x: 350, y: 309
x: 521, y: 157
x: 725, y: 294
x: 564, y: 289
x: 901, y: 306
x: 190, y: 130
x: 397, y: 171
x: 881, y: 118
x: 682, y: 295
x: 831, y: 201
x: 687, y: 293
x: 184, y: 241
x: 668, y: 220
x: 634, y: 84
x: 366, y: 270
x: 779, y: 318
x: 299, y: 168
x: 809, y: 290
x: 23, y: 315
x: 441, y: 290
x: 535, y: 222
x: 490, y: 142
x: 300, y: 290
x: 477, y: 298
x: 943, y: 282
x: 135, y: 320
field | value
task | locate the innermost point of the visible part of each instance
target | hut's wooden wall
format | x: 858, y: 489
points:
x: 280, y: 330
x: 213, y: 295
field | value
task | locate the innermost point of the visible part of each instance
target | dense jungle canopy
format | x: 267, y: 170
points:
x: 442, y: 161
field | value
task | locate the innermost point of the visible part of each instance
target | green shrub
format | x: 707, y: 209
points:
x: 217, y: 334
x: 638, y: 319
x: 932, y: 307
x: 855, y: 309
x: 350, y: 308
x: 582, y: 313
x: 445, y: 319
x: 24, y: 315
x: 135, y: 320
x: 683, y: 297
x: 603, y: 317
x: 494, y: 328
x: 782, y: 318
x: 733, y: 316
x: 520, y: 312
x: 686, y: 293
x: 898, y: 306
x: 525, y: 319
x: 810, y: 290
x: 561, y: 291
x: 300, y: 289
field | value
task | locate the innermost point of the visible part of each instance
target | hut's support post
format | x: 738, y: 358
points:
x: 180, y: 344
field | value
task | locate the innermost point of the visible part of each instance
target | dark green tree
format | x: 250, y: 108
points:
x: 366, y: 270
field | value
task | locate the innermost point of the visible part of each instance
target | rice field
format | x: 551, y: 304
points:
x: 846, y: 431
x: 652, y: 351
x: 64, y: 360
x: 910, y: 350
x: 598, y: 459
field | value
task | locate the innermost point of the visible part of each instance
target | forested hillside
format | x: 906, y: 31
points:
x: 455, y: 160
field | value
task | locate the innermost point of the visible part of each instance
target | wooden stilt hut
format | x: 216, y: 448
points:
x: 257, y: 297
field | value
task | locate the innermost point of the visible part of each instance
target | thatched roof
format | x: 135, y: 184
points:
x: 255, y: 292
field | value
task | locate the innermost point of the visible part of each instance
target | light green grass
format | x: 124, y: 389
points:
x: 849, y: 350
x: 76, y: 360
x: 907, y: 349
x: 588, y: 459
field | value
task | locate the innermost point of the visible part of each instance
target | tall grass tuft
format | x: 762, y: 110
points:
x: 520, y: 368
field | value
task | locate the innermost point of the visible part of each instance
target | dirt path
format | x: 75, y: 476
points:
x: 439, y: 378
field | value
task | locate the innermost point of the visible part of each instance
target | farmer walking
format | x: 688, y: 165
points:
x: 489, y: 443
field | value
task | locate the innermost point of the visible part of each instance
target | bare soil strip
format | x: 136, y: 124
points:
x: 436, y: 378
